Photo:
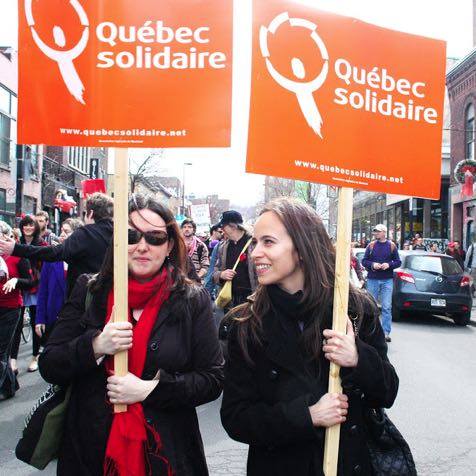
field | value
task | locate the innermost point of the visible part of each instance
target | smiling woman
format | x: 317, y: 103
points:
x: 175, y: 361
x: 280, y: 344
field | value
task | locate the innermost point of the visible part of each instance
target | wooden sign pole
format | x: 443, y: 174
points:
x: 339, y: 317
x: 121, y: 219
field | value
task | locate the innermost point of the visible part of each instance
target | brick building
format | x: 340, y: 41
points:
x: 64, y: 168
x: 461, y: 85
x: 20, y: 166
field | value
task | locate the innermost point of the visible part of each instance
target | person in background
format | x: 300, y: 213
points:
x: 380, y: 259
x: 281, y: 343
x: 406, y: 246
x: 434, y: 247
x: 452, y: 251
x: 85, y: 249
x: 175, y: 361
x: 52, y: 291
x: 47, y: 235
x: 216, y: 235
x: 209, y: 283
x: 244, y: 277
x: 197, y: 250
x: 417, y: 239
x: 30, y: 236
x: 418, y: 244
x: 357, y: 277
x: 459, y: 249
x: 363, y: 243
x: 19, y: 278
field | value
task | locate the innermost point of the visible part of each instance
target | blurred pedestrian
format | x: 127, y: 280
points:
x: 459, y: 249
x: 52, y: 290
x: 356, y: 275
x: 19, y: 278
x: 46, y: 234
x: 380, y: 259
x: 30, y: 236
x: 452, y: 251
x: 85, y: 249
x: 197, y: 250
x: 418, y: 244
x: 236, y: 237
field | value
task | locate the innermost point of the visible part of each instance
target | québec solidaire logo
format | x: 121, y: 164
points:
x: 303, y: 90
x: 64, y: 58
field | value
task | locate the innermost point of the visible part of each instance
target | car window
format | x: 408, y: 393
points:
x: 434, y: 264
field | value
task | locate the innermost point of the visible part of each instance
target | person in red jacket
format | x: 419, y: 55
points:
x: 19, y: 278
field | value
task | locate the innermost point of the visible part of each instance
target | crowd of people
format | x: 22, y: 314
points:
x: 276, y: 335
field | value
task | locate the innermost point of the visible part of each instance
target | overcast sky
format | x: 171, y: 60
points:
x: 222, y: 171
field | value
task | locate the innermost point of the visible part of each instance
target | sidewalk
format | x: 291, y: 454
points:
x: 472, y: 322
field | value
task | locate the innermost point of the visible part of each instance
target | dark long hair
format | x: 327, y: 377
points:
x: 176, y: 261
x: 317, y: 260
x: 29, y: 220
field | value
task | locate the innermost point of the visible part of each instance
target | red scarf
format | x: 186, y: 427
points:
x: 127, y: 447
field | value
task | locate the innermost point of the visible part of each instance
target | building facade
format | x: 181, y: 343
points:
x: 461, y: 85
x: 20, y: 165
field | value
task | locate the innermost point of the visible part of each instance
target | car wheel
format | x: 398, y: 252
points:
x: 396, y: 314
x: 462, y: 319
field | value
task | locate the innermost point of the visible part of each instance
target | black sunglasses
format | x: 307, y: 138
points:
x: 154, y: 238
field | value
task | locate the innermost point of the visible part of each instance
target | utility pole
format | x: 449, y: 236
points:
x: 20, y: 178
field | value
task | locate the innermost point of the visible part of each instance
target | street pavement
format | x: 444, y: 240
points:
x: 434, y: 410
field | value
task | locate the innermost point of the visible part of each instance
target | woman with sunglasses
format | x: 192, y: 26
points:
x: 280, y: 345
x: 175, y: 361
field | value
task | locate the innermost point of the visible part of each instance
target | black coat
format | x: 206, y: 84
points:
x: 267, y: 405
x: 183, y: 344
x: 84, y: 250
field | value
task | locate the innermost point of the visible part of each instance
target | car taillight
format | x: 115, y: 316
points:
x: 465, y: 281
x: 407, y: 277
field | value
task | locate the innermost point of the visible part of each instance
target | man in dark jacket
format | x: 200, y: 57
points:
x: 84, y: 250
x: 380, y: 259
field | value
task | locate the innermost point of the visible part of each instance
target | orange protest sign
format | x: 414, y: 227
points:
x: 123, y: 73
x: 338, y: 101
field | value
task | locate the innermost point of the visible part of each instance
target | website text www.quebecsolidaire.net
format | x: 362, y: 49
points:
x: 123, y: 135
x: 343, y: 174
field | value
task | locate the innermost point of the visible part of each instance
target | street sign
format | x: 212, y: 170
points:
x: 94, y: 168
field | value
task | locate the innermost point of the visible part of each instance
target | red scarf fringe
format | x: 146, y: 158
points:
x: 128, y: 451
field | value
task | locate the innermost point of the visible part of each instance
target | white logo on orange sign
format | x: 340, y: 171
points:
x: 63, y: 58
x: 303, y: 91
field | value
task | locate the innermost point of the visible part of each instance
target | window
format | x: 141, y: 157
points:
x: 31, y: 161
x: 29, y: 205
x: 8, y: 102
x: 78, y: 158
x: 3, y: 199
x: 7, y: 210
x: 433, y: 264
x: 5, y: 100
x: 5, y: 138
x: 469, y: 128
